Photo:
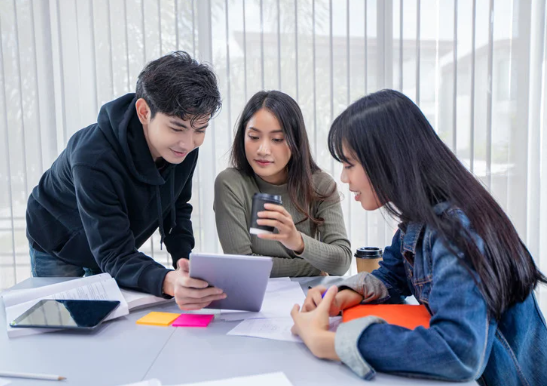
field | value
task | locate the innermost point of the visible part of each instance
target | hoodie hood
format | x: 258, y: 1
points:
x: 120, y: 124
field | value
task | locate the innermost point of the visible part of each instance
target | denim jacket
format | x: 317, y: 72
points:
x: 463, y: 341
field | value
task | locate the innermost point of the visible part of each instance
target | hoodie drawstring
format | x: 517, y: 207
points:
x: 160, y: 212
x: 173, y: 211
x: 160, y: 217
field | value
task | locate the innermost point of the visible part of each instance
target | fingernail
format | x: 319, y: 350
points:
x: 219, y: 291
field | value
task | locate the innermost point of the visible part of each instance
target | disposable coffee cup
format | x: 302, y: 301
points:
x: 259, y: 199
x: 368, y: 259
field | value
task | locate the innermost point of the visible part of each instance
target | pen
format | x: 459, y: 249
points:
x: 47, y: 377
x: 322, y: 296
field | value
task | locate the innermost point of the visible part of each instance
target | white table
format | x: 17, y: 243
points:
x: 123, y: 352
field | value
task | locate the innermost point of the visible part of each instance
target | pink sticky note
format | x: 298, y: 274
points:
x: 193, y: 320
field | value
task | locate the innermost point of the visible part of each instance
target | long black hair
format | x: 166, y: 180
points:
x: 301, y: 165
x: 411, y: 170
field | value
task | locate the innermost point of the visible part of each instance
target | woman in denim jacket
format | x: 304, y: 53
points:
x: 456, y: 251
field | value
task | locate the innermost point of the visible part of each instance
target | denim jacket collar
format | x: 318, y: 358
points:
x: 411, y: 230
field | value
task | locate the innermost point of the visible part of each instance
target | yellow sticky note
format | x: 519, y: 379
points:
x: 158, y: 318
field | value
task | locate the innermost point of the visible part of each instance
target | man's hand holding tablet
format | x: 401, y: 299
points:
x: 243, y: 278
x: 190, y: 294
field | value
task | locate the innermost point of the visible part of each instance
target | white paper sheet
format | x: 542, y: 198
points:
x: 281, y: 296
x: 275, y: 285
x: 98, y: 287
x: 285, y: 278
x: 270, y: 379
x: 24, y: 295
x: 137, y: 300
x: 149, y: 382
x: 274, y: 328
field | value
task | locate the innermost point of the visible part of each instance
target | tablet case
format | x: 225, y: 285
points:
x: 243, y: 278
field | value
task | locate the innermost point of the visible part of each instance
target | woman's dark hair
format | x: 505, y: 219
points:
x: 411, y: 169
x: 301, y: 165
x: 179, y: 86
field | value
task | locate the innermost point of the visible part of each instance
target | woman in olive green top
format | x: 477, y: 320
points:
x: 271, y: 155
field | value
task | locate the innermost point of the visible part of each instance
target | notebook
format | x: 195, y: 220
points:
x: 404, y: 315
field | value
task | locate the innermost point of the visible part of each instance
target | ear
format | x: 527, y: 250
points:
x: 143, y: 111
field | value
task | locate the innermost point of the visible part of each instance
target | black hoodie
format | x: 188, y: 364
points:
x: 104, y: 197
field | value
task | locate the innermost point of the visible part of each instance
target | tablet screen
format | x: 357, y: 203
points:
x: 52, y: 313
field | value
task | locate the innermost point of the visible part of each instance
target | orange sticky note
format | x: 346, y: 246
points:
x: 404, y: 315
x: 158, y: 319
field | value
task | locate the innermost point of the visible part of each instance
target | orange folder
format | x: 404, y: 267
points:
x: 404, y: 315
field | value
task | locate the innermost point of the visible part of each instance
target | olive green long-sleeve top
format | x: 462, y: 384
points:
x: 326, y: 246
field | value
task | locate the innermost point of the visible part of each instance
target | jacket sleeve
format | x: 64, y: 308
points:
x: 392, y: 272
x: 384, y: 285
x: 106, y: 224
x: 455, y: 346
x: 180, y: 240
x: 367, y: 285
x: 231, y: 221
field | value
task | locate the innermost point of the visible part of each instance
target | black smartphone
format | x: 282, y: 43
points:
x: 72, y: 314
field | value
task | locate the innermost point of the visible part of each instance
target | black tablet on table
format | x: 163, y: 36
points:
x: 71, y: 314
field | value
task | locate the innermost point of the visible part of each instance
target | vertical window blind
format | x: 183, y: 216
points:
x: 476, y: 69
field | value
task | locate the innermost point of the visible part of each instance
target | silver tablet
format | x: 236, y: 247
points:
x: 242, y: 278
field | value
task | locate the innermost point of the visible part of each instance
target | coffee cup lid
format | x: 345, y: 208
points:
x: 368, y: 253
x: 268, y: 197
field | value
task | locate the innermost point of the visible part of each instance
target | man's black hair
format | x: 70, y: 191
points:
x: 178, y: 86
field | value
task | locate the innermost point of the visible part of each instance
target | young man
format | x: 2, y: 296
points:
x: 121, y: 178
